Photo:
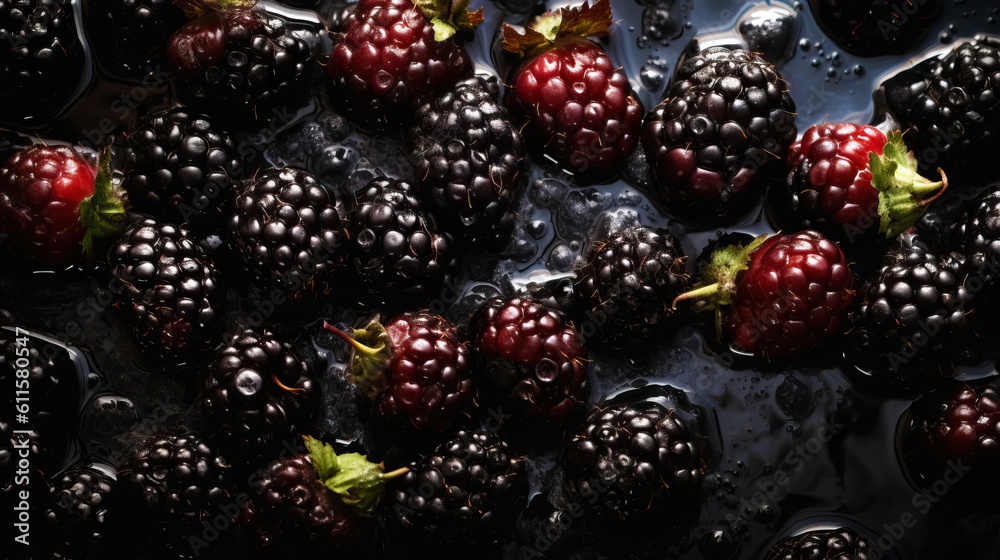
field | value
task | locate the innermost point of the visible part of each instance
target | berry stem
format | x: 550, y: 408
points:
x: 708, y: 290
x: 367, y: 350
x: 369, y: 362
x: 396, y: 473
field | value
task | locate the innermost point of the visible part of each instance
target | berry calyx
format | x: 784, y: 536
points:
x: 585, y: 20
x: 449, y: 17
x: 102, y: 214
x: 903, y: 193
x: 371, y: 357
x: 356, y: 480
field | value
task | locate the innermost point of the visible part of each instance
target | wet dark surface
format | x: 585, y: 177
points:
x: 792, y: 449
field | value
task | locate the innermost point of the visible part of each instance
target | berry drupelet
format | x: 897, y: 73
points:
x: 288, y: 232
x: 76, y: 512
x: 628, y: 279
x: 836, y: 544
x: 392, y: 54
x: 627, y: 459
x: 168, y: 288
x: 462, y: 494
x: 395, y: 246
x: 531, y: 354
x: 242, y: 64
x: 257, y: 393
x: 414, y: 368
x: 850, y: 182
x: 578, y: 107
x: 181, y: 168
x: 786, y: 294
x: 467, y: 159
x: 725, y: 123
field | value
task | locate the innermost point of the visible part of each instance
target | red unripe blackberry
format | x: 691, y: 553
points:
x: 532, y: 354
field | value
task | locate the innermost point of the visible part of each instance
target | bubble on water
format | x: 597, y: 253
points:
x: 653, y: 73
x: 336, y: 160
x: 577, y: 215
x: 815, y: 63
x: 562, y: 258
x: 945, y: 37
x: 546, y: 193
x: 660, y: 21
x: 793, y: 398
x: 637, y: 170
x: 804, y: 44
x: 537, y: 229
x: 629, y: 198
x: 771, y: 31
x: 859, y: 70
x: 522, y: 250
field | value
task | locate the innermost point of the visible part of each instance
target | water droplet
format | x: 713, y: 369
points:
x: 804, y: 44
x: 859, y: 70
x: 815, y: 63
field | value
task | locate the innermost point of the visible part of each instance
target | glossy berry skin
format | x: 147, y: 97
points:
x: 837, y: 544
x: 878, y: 27
x: 829, y: 186
x: 724, y: 126
x: 241, y: 65
x: 41, y: 188
x: 579, y: 108
x: 950, y: 107
x: 964, y: 427
x: 911, y: 321
x: 978, y: 236
x: 129, y: 37
x: 793, y: 296
x: 628, y: 279
x: 386, y: 60
x: 293, y: 510
x: 462, y: 494
x: 170, y: 291
x: 76, y: 512
x: 395, y: 246
x: 167, y: 486
x: 468, y: 158
x: 181, y: 168
x: 288, y: 232
x: 534, y: 353
x: 257, y: 393
x: 431, y: 381
x: 630, y: 458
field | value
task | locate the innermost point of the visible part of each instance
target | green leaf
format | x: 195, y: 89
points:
x: 442, y: 30
x: 352, y: 477
x: 449, y: 16
x: 584, y: 20
x: 103, y: 213
x: 904, y: 194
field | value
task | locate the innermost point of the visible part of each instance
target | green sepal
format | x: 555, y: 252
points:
x: 352, y: 477
x: 904, y: 194
x: 372, y: 353
x: 449, y: 17
x: 584, y: 20
x: 102, y: 214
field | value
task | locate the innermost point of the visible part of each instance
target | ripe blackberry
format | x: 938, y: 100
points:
x: 257, y: 393
x: 129, y: 37
x: 630, y: 458
x: 51, y: 380
x: 876, y: 28
x: 180, y: 168
x: 76, y: 512
x: 288, y: 232
x: 837, y: 544
x: 950, y: 107
x: 978, y: 237
x: 467, y: 157
x: 958, y: 426
x: 395, y: 246
x: 168, y: 286
x: 911, y: 322
x: 414, y: 368
x: 628, y: 280
x: 724, y: 125
x: 461, y: 495
x: 241, y: 65
x: 11, y: 447
x: 531, y: 353
x: 292, y: 509
x: 387, y: 58
x: 41, y: 59
x: 167, y: 487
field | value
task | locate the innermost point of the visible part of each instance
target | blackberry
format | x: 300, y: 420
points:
x: 292, y: 509
x: 532, y: 354
x: 257, y: 393
x: 978, y: 237
x: 52, y: 378
x: 180, y: 168
x: 244, y: 62
x: 41, y: 59
x: 76, y: 512
x: 630, y: 458
x: 468, y: 157
x: 129, y: 37
x: 168, y: 286
x: 395, y: 246
x: 167, y: 487
x: 628, y: 279
x: 876, y: 28
x: 911, y: 322
x: 11, y: 446
x: 462, y: 494
x: 836, y: 544
x: 724, y: 125
x: 288, y: 232
x: 950, y: 108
